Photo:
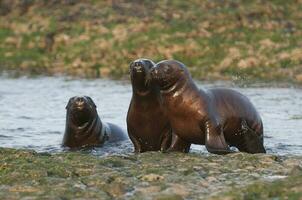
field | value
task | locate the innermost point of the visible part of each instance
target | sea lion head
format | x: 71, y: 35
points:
x: 81, y: 110
x: 167, y: 73
x: 138, y: 73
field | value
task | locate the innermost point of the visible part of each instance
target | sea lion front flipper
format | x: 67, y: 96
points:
x: 215, y: 141
x: 135, y: 141
x: 166, y: 140
x: 179, y: 144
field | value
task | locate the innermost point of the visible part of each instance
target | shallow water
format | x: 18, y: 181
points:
x: 32, y: 112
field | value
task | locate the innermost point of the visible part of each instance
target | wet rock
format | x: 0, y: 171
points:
x: 286, y: 188
x: 177, y: 189
x: 152, y: 175
x: 169, y: 197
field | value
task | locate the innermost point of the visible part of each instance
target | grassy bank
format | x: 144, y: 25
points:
x: 29, y: 175
x: 234, y: 40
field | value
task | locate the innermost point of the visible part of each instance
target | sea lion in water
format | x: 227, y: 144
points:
x: 84, y: 127
x: 147, y: 125
x: 216, y: 117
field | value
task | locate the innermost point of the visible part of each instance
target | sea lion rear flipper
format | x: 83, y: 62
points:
x: 215, y: 141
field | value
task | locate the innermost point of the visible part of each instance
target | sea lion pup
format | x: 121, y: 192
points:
x: 147, y: 125
x: 216, y: 117
x: 84, y: 127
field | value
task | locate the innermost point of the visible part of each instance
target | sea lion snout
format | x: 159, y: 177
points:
x: 153, y: 73
x: 79, y: 101
x: 137, y: 63
x: 141, y: 65
x: 138, y: 66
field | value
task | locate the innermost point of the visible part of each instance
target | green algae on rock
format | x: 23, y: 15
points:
x: 153, y: 175
x: 286, y: 188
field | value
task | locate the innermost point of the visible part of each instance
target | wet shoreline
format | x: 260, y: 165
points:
x: 32, y: 123
x: 152, y: 175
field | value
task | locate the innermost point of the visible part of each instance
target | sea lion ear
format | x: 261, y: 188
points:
x: 91, y: 101
x: 69, y: 102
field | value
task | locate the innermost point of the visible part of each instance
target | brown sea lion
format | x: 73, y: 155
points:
x: 147, y: 125
x: 216, y: 117
x: 84, y: 127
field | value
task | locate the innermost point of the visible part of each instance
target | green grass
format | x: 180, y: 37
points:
x: 159, y: 30
x: 4, y: 33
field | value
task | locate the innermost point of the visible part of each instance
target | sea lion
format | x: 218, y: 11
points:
x: 216, y: 117
x: 148, y: 127
x: 84, y: 127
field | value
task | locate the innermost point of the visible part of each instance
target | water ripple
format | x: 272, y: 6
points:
x: 33, y: 112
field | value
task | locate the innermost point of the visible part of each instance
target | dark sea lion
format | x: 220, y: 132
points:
x: 147, y: 125
x: 216, y: 117
x: 84, y: 127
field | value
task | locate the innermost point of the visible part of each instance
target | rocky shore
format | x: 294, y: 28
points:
x: 73, y: 175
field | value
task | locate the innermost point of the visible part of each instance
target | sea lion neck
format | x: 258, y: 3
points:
x: 81, y: 118
x: 178, y: 86
x: 146, y: 90
x: 85, y: 132
x: 140, y: 90
x: 80, y: 126
x: 139, y: 85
